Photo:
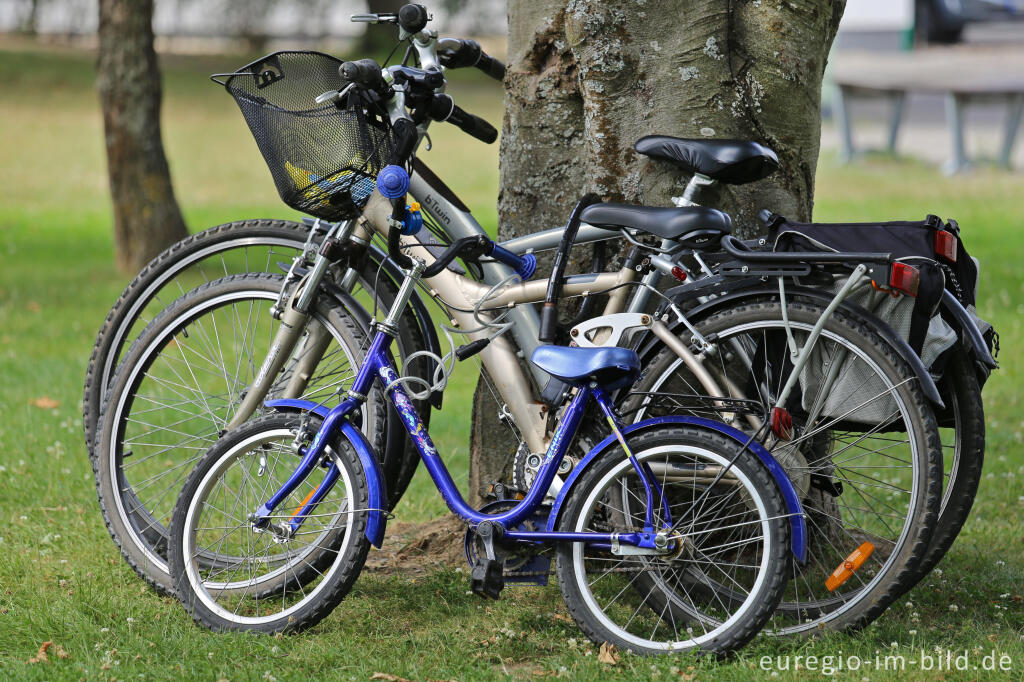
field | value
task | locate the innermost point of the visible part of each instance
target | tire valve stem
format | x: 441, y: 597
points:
x: 846, y: 569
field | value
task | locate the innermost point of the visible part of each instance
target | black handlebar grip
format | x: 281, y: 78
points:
x: 365, y: 72
x: 413, y: 18
x: 471, y: 125
x: 491, y: 66
x: 456, y: 54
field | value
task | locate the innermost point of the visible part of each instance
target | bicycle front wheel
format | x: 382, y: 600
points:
x: 180, y: 385
x: 865, y: 454
x: 266, y: 580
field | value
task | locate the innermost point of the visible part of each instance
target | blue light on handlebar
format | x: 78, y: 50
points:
x: 393, y: 182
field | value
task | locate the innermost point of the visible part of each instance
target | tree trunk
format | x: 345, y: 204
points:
x: 146, y: 216
x: 587, y: 79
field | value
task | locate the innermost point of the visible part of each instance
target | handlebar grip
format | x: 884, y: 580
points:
x: 524, y: 266
x: 455, y: 54
x: 443, y: 108
x: 491, y: 66
x: 365, y: 72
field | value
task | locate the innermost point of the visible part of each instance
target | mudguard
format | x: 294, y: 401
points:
x: 374, y: 482
x: 969, y: 328
x: 798, y: 524
x: 649, y: 342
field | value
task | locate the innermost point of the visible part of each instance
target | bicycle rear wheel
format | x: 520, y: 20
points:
x: 179, y: 386
x: 865, y: 456
x: 729, y: 521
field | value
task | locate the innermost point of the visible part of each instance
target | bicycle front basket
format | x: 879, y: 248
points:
x: 324, y: 159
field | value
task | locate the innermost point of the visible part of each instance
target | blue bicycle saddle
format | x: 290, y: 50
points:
x: 611, y: 368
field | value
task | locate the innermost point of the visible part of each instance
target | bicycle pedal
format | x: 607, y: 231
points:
x: 487, y: 578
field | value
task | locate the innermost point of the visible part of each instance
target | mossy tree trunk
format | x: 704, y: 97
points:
x: 586, y: 79
x: 146, y: 215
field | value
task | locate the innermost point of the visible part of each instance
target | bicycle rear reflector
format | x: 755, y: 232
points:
x: 846, y: 569
x: 945, y: 245
x: 782, y: 423
x: 679, y: 273
x: 905, y: 278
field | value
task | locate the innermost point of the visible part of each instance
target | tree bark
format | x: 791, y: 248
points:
x: 586, y: 79
x: 146, y: 215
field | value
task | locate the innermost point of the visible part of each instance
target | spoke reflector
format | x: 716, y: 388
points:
x: 854, y: 561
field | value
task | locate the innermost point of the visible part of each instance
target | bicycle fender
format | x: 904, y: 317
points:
x: 969, y: 328
x: 374, y: 481
x: 649, y: 342
x: 797, y: 522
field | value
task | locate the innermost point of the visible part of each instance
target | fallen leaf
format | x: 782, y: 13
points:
x: 46, y: 403
x: 59, y: 650
x: 389, y: 677
x: 41, y: 656
x: 608, y: 655
x: 33, y: 307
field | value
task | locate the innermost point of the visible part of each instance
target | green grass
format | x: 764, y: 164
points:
x: 61, y: 578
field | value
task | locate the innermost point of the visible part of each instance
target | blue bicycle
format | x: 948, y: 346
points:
x: 672, y: 533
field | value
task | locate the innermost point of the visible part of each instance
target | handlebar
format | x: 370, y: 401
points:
x: 478, y: 245
x: 443, y: 108
x: 454, y: 53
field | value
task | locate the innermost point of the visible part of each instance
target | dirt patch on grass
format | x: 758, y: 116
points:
x: 415, y: 548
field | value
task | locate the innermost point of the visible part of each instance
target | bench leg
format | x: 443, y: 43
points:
x: 896, y: 101
x: 844, y: 125
x: 1014, y: 109
x: 955, y: 120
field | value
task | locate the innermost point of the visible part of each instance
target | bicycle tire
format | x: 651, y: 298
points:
x: 962, y: 394
x: 137, y: 526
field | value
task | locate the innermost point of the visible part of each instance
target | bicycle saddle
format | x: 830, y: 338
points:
x: 691, y: 226
x: 734, y: 162
x: 612, y: 368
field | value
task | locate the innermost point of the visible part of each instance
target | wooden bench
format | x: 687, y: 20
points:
x: 961, y: 76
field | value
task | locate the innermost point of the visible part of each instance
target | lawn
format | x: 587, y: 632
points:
x: 62, y: 580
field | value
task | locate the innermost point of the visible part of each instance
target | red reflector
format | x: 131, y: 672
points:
x: 782, y: 423
x: 905, y: 278
x: 679, y: 273
x: 945, y: 245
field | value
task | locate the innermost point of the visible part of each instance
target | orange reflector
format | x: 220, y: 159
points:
x: 850, y: 564
x: 945, y: 245
x: 303, y: 503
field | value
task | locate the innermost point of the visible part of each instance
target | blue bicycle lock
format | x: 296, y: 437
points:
x: 393, y: 183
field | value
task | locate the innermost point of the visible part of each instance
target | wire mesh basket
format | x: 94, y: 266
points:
x: 324, y: 157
